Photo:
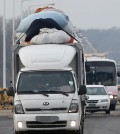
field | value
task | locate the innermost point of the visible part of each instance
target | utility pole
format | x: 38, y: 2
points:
x: 4, y: 47
x: 13, y: 21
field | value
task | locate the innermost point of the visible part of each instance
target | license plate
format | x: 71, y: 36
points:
x: 92, y: 105
x: 46, y: 119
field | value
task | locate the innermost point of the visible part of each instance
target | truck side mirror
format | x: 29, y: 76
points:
x: 87, y: 67
x: 82, y: 90
x: 10, y: 91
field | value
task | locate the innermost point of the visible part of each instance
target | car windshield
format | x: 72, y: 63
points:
x: 96, y: 91
x: 39, y: 82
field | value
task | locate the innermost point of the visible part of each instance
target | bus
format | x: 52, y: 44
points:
x: 102, y: 71
x: 118, y: 78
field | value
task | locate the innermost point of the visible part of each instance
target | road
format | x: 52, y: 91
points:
x: 97, y: 123
x: 102, y: 125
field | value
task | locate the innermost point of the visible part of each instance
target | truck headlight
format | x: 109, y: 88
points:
x: 73, y: 107
x: 18, y: 108
x: 104, y: 100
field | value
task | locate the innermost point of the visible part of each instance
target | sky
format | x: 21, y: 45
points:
x: 85, y: 14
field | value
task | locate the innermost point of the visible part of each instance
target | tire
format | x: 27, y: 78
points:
x: 82, y: 128
x: 107, y: 112
x: 78, y: 131
x: 112, y: 107
x: 16, y: 132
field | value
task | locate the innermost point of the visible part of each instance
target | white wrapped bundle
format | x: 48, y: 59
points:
x: 50, y: 36
x: 47, y: 56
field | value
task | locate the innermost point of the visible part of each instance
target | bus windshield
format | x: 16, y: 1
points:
x: 46, y: 81
x: 101, y: 72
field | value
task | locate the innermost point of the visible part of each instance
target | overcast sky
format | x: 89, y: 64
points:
x: 85, y: 14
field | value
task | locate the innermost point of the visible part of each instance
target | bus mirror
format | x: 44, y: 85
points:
x: 82, y: 90
x: 118, y: 73
x: 87, y: 67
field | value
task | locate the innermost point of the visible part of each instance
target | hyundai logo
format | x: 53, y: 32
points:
x: 46, y: 103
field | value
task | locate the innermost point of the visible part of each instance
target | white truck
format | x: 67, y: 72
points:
x: 48, y: 85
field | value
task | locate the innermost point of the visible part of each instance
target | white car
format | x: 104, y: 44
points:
x: 97, y: 99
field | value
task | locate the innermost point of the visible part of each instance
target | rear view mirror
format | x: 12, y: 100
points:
x: 118, y: 73
x: 82, y: 90
x: 10, y: 91
x: 87, y: 67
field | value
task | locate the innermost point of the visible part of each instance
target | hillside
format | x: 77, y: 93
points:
x: 105, y: 41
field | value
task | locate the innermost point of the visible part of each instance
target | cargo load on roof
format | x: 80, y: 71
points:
x: 48, y: 18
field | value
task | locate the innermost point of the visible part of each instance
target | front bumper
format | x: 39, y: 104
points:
x: 97, y: 106
x: 29, y: 122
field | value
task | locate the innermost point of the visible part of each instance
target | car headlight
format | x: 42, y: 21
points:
x: 18, y: 108
x: 111, y: 96
x: 73, y: 107
x: 115, y: 97
x: 104, y: 100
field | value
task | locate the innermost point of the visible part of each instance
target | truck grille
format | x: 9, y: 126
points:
x: 87, y: 108
x: 92, y: 101
x: 46, y: 110
x: 39, y: 109
x: 35, y: 124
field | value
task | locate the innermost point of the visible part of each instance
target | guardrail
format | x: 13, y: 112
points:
x: 6, y: 102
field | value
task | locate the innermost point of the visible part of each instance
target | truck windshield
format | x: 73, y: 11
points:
x: 39, y: 82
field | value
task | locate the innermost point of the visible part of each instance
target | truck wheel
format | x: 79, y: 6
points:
x: 16, y: 132
x: 78, y: 132
x: 82, y: 128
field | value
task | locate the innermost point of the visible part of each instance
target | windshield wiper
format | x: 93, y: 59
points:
x: 45, y: 94
x: 59, y: 92
x: 26, y: 92
x: 51, y: 91
x: 42, y: 92
x: 32, y: 92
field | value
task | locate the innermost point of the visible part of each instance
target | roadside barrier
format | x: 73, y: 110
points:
x: 6, y: 102
x: 96, y: 115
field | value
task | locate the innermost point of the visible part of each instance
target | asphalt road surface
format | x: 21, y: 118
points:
x: 96, y: 123
x: 102, y: 125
